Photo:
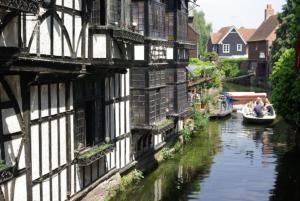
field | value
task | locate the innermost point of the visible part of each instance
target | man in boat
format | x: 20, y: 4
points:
x: 258, y: 108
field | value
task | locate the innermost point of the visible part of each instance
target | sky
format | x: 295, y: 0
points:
x: 246, y: 13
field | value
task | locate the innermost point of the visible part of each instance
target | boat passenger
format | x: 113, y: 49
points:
x: 258, y: 109
x: 268, y: 107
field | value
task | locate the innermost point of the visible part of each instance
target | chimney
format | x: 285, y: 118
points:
x: 269, y: 11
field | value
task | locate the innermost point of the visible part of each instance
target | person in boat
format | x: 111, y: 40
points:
x: 268, y: 107
x: 258, y: 108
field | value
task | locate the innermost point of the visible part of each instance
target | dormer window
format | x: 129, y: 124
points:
x: 106, y: 12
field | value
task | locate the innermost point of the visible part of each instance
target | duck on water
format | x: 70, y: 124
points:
x: 259, y: 112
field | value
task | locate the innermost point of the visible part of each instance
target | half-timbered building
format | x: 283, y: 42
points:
x: 86, y: 88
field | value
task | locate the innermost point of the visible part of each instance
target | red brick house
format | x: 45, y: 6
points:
x: 260, y: 43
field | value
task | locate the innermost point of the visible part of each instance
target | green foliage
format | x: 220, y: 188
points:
x: 165, y: 123
x: 231, y: 67
x: 200, y: 121
x: 95, y: 150
x: 286, y: 88
x: 187, y: 134
x: 211, y: 56
x: 289, y: 29
x: 203, y: 28
x: 198, y: 62
x: 167, y: 153
x: 3, y: 166
x: 132, y: 178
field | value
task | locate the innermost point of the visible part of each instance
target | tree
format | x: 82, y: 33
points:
x: 289, y: 29
x: 286, y: 88
x: 203, y: 28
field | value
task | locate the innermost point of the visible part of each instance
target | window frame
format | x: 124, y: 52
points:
x: 239, y: 47
x: 226, y: 48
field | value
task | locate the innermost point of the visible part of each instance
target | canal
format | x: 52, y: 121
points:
x: 229, y: 161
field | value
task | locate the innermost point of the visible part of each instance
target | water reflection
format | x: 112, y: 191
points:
x: 231, y: 161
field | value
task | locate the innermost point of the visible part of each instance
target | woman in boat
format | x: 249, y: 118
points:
x: 268, y: 107
x: 258, y: 108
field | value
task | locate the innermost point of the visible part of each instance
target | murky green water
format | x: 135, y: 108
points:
x: 229, y: 162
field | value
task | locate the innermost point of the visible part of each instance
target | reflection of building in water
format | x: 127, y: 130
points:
x: 157, y: 190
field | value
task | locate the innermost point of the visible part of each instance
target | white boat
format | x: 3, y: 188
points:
x: 250, y: 116
x: 246, y: 95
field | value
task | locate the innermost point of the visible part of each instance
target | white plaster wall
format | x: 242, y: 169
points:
x: 139, y: 52
x: 68, y: 3
x: 18, y: 186
x: 63, y: 186
x: 10, y: 121
x: 31, y: 22
x: 44, y: 101
x: 122, y: 153
x: 36, y: 192
x: 170, y: 53
x: 108, y: 158
x: 11, y: 152
x: 117, y: 117
x: 62, y: 97
x: 57, y: 39
x: 77, y: 4
x: 34, y: 103
x: 53, y: 91
x: 118, y: 149
x: 128, y: 150
x: 35, y: 151
x: 78, y: 40
x: 46, y: 190
x: 45, y: 41
x: 45, y: 148
x: 112, y: 123
x: 99, y: 46
x: 63, y: 148
x: 122, y: 115
x: 55, y: 188
x: 127, y: 117
x: 54, y: 144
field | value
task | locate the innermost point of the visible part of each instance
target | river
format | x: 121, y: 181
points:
x: 230, y: 161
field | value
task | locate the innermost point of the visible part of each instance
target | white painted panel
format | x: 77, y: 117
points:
x: 72, y: 179
x: 63, y: 142
x: 113, y: 165
x: 54, y: 144
x: 78, y: 28
x: 44, y: 101
x: 45, y: 29
x: 170, y: 52
x: 117, y: 116
x: 62, y: 97
x: 67, y: 49
x: 86, y: 41
x: 118, y: 154
x: 155, y: 140
x: 10, y: 121
x: 35, y: 151
x: 112, y: 120
x: 159, y: 138
x: 11, y: 151
x: 46, y: 190
x: 108, y: 161
x: 127, y: 116
x: 122, y: 115
x: 63, y: 184
x: 45, y: 148
x: 36, y: 193
x: 78, y: 179
x: 122, y: 85
x: 31, y: 21
x: 139, y: 52
x: 72, y: 135
x: 68, y: 3
x: 53, y: 91
x: 127, y: 82
x: 57, y: 38
x: 19, y: 187
x: 122, y: 153
x: 59, y: 2
x: 78, y: 4
x: 128, y: 150
x: 99, y: 46
x: 34, y: 103
x: 55, y: 187
x: 22, y: 159
x: 71, y: 96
